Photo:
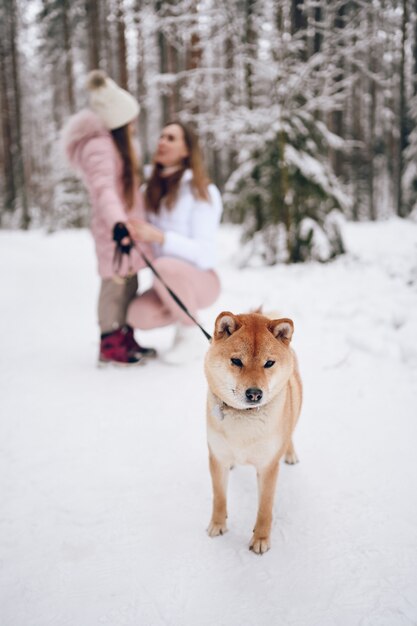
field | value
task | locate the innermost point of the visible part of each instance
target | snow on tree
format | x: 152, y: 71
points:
x: 302, y: 106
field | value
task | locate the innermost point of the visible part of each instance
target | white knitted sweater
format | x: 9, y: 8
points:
x: 191, y: 225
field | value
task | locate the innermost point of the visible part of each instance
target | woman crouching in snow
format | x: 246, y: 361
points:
x: 98, y: 144
x: 183, y: 211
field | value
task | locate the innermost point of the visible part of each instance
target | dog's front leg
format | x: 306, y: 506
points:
x: 267, y: 480
x: 290, y: 455
x: 219, y: 475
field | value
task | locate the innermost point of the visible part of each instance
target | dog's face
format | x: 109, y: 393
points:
x: 249, y: 360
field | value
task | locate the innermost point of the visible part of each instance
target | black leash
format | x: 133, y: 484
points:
x: 120, y: 231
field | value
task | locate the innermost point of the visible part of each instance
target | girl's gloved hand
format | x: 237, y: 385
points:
x: 122, y: 238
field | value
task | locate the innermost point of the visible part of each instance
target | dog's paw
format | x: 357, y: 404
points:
x: 291, y: 458
x: 290, y: 455
x: 215, y: 529
x: 260, y: 545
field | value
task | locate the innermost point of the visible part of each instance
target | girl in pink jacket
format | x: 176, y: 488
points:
x: 98, y: 144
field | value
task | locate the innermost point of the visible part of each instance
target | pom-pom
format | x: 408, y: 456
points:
x: 96, y: 79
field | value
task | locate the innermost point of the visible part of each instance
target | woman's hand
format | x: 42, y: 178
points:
x: 145, y: 232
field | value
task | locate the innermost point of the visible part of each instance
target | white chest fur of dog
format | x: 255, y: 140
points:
x: 253, y: 405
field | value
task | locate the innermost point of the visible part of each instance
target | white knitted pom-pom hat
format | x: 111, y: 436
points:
x: 114, y: 106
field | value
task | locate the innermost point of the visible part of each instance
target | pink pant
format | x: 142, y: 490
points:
x: 196, y: 288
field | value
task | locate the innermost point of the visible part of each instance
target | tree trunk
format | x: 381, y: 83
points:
x: 19, y: 160
x: 167, y: 56
x: 9, y: 190
x: 229, y: 52
x: 121, y: 46
x: 141, y: 89
x: 314, y: 35
x: 299, y: 23
x: 371, y: 117
x: 250, y: 41
x: 356, y: 154
x: 93, y: 31
x: 337, y: 122
x: 318, y: 37
x: 193, y: 56
x: 108, y: 59
x: 402, y: 116
x: 415, y: 50
x: 68, y: 55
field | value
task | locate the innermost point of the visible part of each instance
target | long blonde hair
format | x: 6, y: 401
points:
x: 166, y: 187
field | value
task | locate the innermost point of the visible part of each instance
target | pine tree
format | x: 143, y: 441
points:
x: 284, y: 188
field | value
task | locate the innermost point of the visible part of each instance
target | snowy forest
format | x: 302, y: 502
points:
x: 307, y: 114
x: 306, y: 108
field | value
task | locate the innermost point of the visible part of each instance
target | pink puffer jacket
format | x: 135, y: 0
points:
x: 90, y: 150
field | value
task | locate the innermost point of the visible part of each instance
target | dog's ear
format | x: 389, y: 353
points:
x: 225, y: 325
x: 282, y: 329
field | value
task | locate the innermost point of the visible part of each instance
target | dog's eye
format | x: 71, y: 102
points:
x: 269, y: 364
x: 237, y: 362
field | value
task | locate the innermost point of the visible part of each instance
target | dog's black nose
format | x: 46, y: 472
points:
x: 253, y: 394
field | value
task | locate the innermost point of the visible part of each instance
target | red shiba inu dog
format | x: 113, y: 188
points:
x: 254, y: 401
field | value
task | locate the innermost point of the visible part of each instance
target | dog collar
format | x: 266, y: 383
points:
x: 220, y: 406
x: 218, y: 411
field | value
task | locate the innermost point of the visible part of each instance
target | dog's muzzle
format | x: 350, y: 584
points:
x: 253, y: 395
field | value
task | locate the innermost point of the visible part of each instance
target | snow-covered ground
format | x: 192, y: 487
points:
x: 104, y: 484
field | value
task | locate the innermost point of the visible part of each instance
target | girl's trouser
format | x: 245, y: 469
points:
x: 113, y: 300
x: 196, y: 288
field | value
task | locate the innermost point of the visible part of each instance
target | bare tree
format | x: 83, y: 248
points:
x: 11, y: 98
x: 92, y: 8
x: 9, y: 183
x: 19, y: 159
x: 66, y: 29
x: 250, y: 41
x: 121, y: 46
x: 402, y: 114
x: 168, y: 59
